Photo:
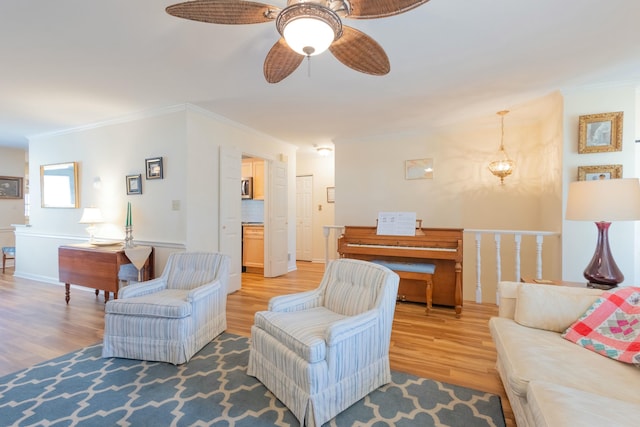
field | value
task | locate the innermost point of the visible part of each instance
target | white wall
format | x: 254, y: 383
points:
x: 579, y: 238
x: 463, y: 193
x: 187, y: 138
x: 12, y: 163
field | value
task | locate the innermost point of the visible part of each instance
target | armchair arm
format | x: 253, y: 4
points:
x: 355, y: 325
x: 143, y: 288
x: 296, y: 302
x: 203, y: 290
x: 355, y: 343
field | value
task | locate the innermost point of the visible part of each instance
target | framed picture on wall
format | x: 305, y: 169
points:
x: 134, y: 184
x: 600, y: 133
x: 331, y: 194
x: 418, y: 169
x: 589, y: 173
x: 153, y: 167
x: 10, y: 187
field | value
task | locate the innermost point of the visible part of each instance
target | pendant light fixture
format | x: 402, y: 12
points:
x: 503, y: 166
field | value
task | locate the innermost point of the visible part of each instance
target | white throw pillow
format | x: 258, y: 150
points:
x: 552, y: 307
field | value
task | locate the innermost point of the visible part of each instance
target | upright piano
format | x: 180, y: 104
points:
x: 439, y: 246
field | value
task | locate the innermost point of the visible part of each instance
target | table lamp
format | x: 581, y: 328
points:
x: 91, y: 216
x: 603, y: 201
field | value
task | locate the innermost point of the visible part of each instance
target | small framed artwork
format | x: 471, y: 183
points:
x: 600, y: 133
x: 331, y: 194
x: 154, y: 168
x: 418, y: 169
x: 10, y: 187
x: 590, y: 173
x: 134, y: 184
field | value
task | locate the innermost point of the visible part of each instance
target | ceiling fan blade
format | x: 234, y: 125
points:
x: 224, y: 11
x: 367, y: 9
x: 280, y: 62
x: 357, y: 50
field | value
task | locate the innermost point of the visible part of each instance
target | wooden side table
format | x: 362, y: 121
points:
x: 96, y: 267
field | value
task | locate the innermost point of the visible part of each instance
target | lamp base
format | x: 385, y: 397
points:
x: 603, y: 270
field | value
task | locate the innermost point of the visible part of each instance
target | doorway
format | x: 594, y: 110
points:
x: 304, y: 217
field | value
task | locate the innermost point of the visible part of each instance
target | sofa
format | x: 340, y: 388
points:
x: 549, y: 380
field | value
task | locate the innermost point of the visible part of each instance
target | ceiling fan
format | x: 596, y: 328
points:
x: 307, y: 28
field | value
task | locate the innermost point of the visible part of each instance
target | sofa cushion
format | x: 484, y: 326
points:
x: 529, y: 354
x: 611, y: 327
x: 553, y: 405
x: 551, y: 307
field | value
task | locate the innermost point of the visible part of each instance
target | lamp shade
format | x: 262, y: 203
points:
x: 91, y: 216
x: 604, y: 200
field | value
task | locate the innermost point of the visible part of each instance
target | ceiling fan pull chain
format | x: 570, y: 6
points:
x: 309, y: 66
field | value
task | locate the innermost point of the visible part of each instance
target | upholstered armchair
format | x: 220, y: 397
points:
x: 321, y: 351
x: 170, y: 318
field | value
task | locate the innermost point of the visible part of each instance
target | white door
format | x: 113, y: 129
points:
x: 276, y: 214
x: 304, y: 215
x: 230, y: 214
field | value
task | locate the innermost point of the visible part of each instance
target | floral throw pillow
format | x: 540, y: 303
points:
x: 611, y: 326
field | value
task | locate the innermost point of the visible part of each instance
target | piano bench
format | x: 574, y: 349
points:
x: 413, y: 271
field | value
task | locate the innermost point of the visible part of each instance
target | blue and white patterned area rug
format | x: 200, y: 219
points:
x: 213, y: 389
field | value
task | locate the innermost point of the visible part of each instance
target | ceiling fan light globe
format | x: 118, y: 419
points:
x: 308, y: 36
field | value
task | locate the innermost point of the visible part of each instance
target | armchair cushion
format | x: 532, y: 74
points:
x: 304, y: 332
x: 168, y: 303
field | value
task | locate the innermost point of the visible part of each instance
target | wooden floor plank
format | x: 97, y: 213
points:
x: 37, y: 325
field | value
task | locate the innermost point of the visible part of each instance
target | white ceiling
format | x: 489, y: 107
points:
x: 69, y: 63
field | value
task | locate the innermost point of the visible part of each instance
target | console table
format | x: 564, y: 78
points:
x: 96, y: 267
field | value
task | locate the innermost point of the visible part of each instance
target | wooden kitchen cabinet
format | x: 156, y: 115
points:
x: 254, y: 168
x: 253, y: 248
x: 258, y: 179
x: 247, y: 168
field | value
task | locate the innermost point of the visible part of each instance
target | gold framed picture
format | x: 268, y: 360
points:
x: 600, y: 133
x: 589, y: 173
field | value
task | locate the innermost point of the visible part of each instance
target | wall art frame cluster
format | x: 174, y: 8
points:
x: 154, y: 169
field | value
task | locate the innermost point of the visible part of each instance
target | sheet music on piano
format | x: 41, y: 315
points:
x: 396, y: 224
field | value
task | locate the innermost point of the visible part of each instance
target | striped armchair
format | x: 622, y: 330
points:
x: 321, y: 351
x: 170, y: 318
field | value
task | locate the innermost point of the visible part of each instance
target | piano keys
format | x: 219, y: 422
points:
x: 439, y: 246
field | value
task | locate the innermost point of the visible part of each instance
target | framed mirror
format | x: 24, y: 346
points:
x: 59, y: 185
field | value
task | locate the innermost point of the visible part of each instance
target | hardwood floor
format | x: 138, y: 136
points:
x: 37, y: 325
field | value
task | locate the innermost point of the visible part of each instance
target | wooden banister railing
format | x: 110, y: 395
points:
x: 497, y: 238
